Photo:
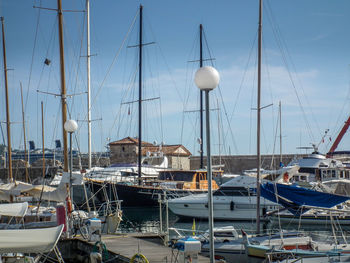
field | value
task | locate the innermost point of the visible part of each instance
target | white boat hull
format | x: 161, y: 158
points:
x: 239, y: 208
x: 39, y: 240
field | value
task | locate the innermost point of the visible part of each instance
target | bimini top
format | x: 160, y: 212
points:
x: 297, y: 199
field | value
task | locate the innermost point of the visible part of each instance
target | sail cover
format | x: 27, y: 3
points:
x: 294, y: 198
x: 13, y: 209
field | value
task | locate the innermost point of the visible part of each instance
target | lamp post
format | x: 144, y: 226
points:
x: 206, y: 79
x: 70, y: 126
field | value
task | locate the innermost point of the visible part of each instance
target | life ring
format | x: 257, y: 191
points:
x: 139, y: 258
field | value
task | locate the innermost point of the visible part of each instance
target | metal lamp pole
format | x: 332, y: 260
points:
x: 207, y: 78
x: 70, y: 126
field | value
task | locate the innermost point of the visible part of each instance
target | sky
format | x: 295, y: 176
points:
x: 305, y: 65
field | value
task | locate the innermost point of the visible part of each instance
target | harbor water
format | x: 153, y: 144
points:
x: 147, y: 220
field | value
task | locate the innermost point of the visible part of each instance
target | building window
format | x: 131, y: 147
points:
x: 123, y: 148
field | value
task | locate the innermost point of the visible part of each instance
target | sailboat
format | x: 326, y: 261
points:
x: 139, y: 187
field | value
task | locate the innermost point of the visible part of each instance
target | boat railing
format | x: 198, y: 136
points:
x: 109, y: 207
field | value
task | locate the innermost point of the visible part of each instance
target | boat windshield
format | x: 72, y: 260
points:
x: 234, y: 191
x: 186, y: 176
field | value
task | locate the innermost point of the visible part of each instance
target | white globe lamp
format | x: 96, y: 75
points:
x: 71, y: 126
x: 207, y: 78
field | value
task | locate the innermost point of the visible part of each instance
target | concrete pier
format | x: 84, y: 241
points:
x: 121, y: 248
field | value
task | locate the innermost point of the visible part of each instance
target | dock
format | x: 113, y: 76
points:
x: 147, y: 245
x: 122, y: 247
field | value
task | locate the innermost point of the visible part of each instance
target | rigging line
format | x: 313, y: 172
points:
x: 155, y: 91
x: 280, y: 42
x: 33, y: 54
x: 229, y: 118
x: 221, y: 96
x: 165, y: 61
x: 270, y: 89
x: 114, y: 60
x: 189, y: 85
x: 120, y: 108
x: 79, y: 60
x: 252, y: 100
x: 52, y: 38
x: 337, y: 126
x: 161, y: 120
x: 274, y: 142
x: 2, y: 133
x: 72, y: 62
x: 56, y: 125
x: 75, y: 136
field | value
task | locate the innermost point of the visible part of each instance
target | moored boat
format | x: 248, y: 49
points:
x: 169, y: 184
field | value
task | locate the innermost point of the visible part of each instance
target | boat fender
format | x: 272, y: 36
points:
x: 138, y: 257
x: 286, y: 177
x: 232, y: 206
x: 69, y: 205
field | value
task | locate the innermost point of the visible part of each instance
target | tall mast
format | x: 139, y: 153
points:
x: 280, y: 115
x: 63, y: 85
x: 88, y: 79
x: 140, y: 97
x: 258, y: 123
x: 24, y: 137
x: 201, y: 95
x: 43, y: 138
x: 8, y: 123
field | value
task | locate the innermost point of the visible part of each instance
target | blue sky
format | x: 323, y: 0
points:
x: 309, y: 74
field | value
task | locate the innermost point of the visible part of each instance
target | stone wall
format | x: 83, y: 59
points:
x: 123, y: 154
x: 35, y: 173
x: 177, y: 162
x: 235, y: 164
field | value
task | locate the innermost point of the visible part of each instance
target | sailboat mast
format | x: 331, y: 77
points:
x: 24, y: 137
x: 8, y: 123
x: 258, y: 122
x: 43, y: 138
x: 201, y: 95
x: 280, y: 117
x: 140, y: 98
x: 63, y: 85
x: 88, y: 79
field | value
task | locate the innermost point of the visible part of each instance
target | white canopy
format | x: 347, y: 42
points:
x: 38, y: 240
x: 14, y: 209
x: 17, y: 188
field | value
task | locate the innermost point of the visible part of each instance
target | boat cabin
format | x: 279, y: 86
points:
x: 189, y: 179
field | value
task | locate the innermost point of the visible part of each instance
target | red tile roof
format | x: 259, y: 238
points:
x: 174, y: 150
x: 130, y: 140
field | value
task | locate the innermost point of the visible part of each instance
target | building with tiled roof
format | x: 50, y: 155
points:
x: 126, y: 151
